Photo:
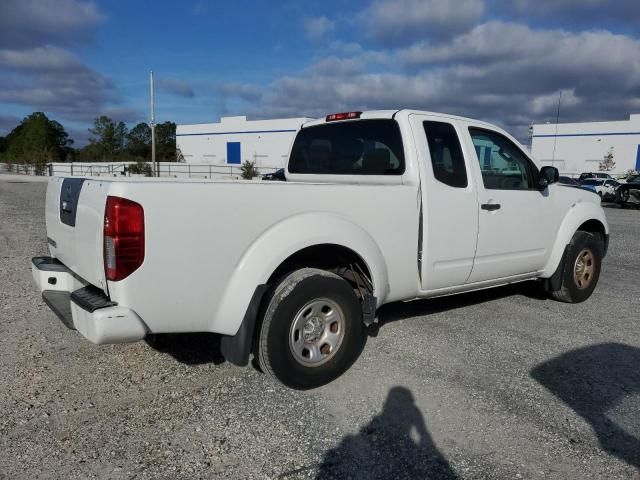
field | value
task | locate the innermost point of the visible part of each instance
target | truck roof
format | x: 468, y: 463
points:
x: 374, y: 114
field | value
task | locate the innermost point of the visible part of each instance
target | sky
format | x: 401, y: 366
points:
x: 504, y: 61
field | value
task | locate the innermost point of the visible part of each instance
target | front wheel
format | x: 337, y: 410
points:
x: 311, y: 331
x: 581, y: 269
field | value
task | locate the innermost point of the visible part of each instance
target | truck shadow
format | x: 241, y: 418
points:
x: 395, y: 444
x: 401, y: 310
x: 601, y: 383
x: 188, y: 348
x: 203, y: 348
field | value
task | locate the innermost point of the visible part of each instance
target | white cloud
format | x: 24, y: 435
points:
x: 402, y: 21
x: 37, y: 70
x: 502, y: 72
x: 39, y: 59
x: 573, y: 12
x: 244, y: 91
x: 50, y: 78
x: 176, y: 86
x: 28, y: 23
x: 501, y: 41
x: 317, y: 28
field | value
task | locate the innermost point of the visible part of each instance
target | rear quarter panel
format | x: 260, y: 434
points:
x: 209, y: 244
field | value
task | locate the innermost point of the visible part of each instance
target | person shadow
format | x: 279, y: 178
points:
x: 599, y: 383
x: 394, y: 445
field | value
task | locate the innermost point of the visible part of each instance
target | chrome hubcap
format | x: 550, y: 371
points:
x: 584, y: 269
x: 317, y: 332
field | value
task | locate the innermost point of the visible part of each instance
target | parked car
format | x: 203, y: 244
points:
x: 584, y: 176
x: 630, y: 179
x: 628, y: 193
x: 563, y: 180
x: 606, y: 189
x: 278, y: 175
x: 378, y: 207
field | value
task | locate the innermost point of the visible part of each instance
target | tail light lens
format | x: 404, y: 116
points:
x: 123, y: 238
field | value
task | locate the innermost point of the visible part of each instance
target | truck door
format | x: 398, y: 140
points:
x: 449, y: 214
x: 516, y: 219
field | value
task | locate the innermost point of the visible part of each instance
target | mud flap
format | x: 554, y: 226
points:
x: 236, y: 348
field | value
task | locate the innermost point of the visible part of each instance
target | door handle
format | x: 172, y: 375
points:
x: 490, y: 206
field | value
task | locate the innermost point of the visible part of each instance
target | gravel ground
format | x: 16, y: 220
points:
x: 495, y: 384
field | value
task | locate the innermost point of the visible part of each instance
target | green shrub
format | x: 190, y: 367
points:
x: 140, y: 167
x: 249, y: 170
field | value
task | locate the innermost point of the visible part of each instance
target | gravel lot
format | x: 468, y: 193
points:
x: 496, y: 384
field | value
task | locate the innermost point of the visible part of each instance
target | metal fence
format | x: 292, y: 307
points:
x: 111, y: 169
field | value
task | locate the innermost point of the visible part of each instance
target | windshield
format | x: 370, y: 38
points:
x: 365, y: 147
x: 592, y: 182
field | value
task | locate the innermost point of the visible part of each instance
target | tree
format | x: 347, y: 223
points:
x: 249, y: 170
x: 166, y: 142
x: 139, y: 141
x: 109, y: 137
x: 37, y: 140
x: 607, y: 164
x: 91, y: 152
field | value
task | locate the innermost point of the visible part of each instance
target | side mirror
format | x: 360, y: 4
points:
x: 550, y: 173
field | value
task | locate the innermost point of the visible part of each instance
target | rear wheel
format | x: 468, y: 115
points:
x: 311, y: 331
x: 581, y: 268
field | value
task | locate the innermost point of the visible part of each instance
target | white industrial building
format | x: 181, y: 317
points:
x: 580, y: 147
x: 236, y: 139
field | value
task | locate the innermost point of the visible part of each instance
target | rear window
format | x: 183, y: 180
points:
x: 364, y: 147
x: 591, y: 182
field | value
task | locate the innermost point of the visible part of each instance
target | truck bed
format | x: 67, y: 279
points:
x: 191, y: 278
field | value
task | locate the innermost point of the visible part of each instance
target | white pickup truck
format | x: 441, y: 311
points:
x: 377, y: 207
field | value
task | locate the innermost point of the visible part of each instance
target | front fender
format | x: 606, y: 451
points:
x: 579, y: 213
x: 281, y: 241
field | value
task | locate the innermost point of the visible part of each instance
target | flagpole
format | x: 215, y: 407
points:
x: 153, y: 131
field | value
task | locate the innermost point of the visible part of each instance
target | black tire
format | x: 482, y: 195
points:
x: 274, y: 348
x: 575, y: 287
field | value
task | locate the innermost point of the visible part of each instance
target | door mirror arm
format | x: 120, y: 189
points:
x: 542, y: 184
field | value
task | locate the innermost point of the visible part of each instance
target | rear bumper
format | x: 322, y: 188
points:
x: 83, y: 307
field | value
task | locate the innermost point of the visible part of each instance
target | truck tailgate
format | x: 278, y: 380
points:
x: 74, y: 217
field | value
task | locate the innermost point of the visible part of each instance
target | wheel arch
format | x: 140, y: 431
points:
x: 585, y: 216
x: 282, y: 246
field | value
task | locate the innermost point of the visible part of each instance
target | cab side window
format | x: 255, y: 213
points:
x: 446, y: 154
x: 503, y: 165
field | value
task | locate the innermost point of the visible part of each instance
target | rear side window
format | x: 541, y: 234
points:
x: 446, y: 154
x: 364, y: 147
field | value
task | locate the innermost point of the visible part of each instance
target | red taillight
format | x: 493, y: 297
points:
x: 123, y: 238
x: 343, y: 116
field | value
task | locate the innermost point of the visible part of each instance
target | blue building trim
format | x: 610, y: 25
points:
x: 234, y: 133
x: 638, y: 160
x: 587, y: 134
